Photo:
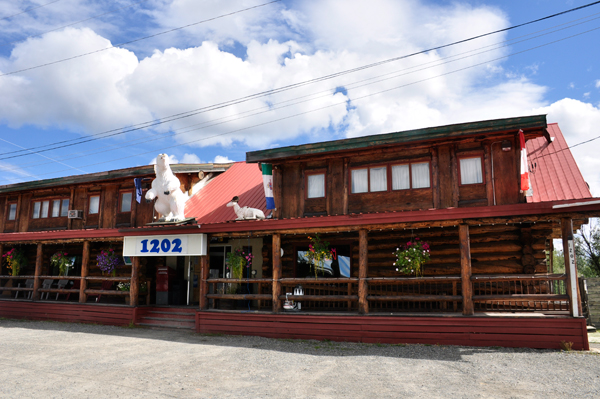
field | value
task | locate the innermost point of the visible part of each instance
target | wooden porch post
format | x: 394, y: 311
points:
x: 204, y: 272
x: 134, y: 286
x: 85, y: 261
x: 363, y: 271
x: 1, y: 253
x: 572, y: 287
x: 465, y: 270
x: 276, y: 272
x: 38, y: 272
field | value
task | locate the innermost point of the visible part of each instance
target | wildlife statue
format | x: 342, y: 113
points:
x: 170, y: 200
x: 245, y: 212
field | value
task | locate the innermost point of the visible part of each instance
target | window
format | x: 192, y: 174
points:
x: 126, y: 202
x: 360, y: 181
x: 378, y: 179
x: 471, y: 171
x: 420, y: 174
x: 12, y: 211
x: 94, y: 204
x: 369, y: 180
x: 403, y: 177
x: 315, y: 185
x: 43, y: 210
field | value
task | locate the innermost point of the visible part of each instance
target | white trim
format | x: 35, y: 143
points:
x: 573, y: 279
x: 576, y: 204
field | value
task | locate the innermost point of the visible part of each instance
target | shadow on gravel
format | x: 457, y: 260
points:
x: 307, y: 347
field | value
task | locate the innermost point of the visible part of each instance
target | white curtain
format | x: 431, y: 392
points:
x: 400, y: 177
x: 316, y: 186
x: 55, y: 208
x: 470, y: 171
x: 94, y: 204
x: 45, y: 207
x: 12, y: 215
x: 360, y: 180
x: 420, y: 175
x: 379, y: 179
x: 36, y: 210
x: 64, y: 210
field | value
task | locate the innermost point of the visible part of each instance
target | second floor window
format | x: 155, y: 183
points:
x: 125, y: 205
x: 94, y: 204
x: 471, y: 171
x: 413, y: 175
x: 316, y: 185
x: 50, y: 208
x: 403, y: 177
x: 12, y: 211
x: 369, y: 179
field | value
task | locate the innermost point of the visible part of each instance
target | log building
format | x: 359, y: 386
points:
x: 489, y: 280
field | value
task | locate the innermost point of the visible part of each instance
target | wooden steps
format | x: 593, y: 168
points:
x: 167, y: 318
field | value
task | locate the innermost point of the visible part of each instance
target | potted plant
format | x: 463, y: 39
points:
x: 126, y: 287
x: 60, y: 261
x: 236, y: 261
x: 411, y: 258
x: 108, y: 261
x: 318, y: 252
x: 15, y: 261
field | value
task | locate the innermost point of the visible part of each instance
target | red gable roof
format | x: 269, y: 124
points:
x: 555, y: 175
x: 241, y: 179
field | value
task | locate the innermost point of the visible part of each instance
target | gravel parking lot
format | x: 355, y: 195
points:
x: 62, y: 360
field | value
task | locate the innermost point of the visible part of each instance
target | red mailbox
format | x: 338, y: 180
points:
x: 164, y: 275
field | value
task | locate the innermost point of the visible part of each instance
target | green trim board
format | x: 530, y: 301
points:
x: 431, y: 133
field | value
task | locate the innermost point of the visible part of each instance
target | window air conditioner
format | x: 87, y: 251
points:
x: 75, y: 214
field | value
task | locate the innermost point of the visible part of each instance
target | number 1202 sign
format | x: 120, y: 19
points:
x: 169, y: 245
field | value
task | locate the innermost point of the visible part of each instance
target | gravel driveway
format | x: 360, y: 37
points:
x: 62, y: 360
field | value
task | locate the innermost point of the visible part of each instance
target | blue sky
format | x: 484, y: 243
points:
x: 101, y: 97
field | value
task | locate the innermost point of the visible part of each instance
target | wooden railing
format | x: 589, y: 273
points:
x: 543, y: 292
x: 88, y: 291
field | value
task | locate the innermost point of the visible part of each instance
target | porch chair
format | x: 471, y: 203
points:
x: 61, y: 285
x: 106, y: 285
x: 76, y: 286
x: 28, y: 284
x: 46, y: 285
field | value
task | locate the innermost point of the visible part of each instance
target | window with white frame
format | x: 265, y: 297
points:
x: 94, y: 204
x: 12, y: 211
x: 125, y: 205
x: 471, y: 171
x: 316, y: 185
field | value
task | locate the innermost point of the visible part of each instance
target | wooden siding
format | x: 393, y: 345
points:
x: 528, y: 332
x: 68, y: 312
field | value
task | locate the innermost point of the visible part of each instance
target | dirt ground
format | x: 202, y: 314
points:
x: 63, y: 360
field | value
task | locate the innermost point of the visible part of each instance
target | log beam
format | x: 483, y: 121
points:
x: 204, y: 272
x: 570, y: 267
x: 363, y: 271
x: 85, y: 262
x: 465, y: 270
x: 134, y: 285
x: 276, y: 273
x: 38, y: 272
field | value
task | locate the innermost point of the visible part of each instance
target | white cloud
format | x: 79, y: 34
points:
x: 579, y: 122
x: 222, y: 159
x: 598, y: 84
x: 172, y: 160
x: 190, y: 158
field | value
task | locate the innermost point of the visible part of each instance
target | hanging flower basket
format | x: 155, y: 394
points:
x: 236, y: 261
x: 319, y: 252
x: 411, y: 257
x: 108, y: 261
x: 15, y: 261
x: 59, y: 260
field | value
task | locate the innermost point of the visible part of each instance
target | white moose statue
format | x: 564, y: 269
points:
x: 170, y: 200
x: 245, y: 212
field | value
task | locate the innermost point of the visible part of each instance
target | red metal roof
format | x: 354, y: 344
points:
x: 554, y: 175
x: 241, y: 179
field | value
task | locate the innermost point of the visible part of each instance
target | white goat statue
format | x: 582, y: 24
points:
x: 245, y: 212
x: 170, y: 200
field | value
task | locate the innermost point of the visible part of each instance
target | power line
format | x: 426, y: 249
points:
x: 344, y: 102
x: 182, y: 115
x: 73, y: 23
x: 29, y: 9
x: 139, y: 39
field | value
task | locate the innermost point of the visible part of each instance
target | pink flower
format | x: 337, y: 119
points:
x: 426, y: 246
x: 408, y: 244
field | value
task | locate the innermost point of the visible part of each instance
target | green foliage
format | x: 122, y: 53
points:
x: 587, y: 250
x: 411, y: 257
x: 59, y: 260
x: 318, y: 252
x: 236, y: 261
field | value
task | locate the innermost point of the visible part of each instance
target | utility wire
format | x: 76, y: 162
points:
x: 140, y: 39
x: 73, y: 23
x: 29, y: 9
x: 213, y: 107
x: 349, y: 87
x: 343, y: 103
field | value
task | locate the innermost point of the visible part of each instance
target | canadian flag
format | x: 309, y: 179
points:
x: 524, y: 167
